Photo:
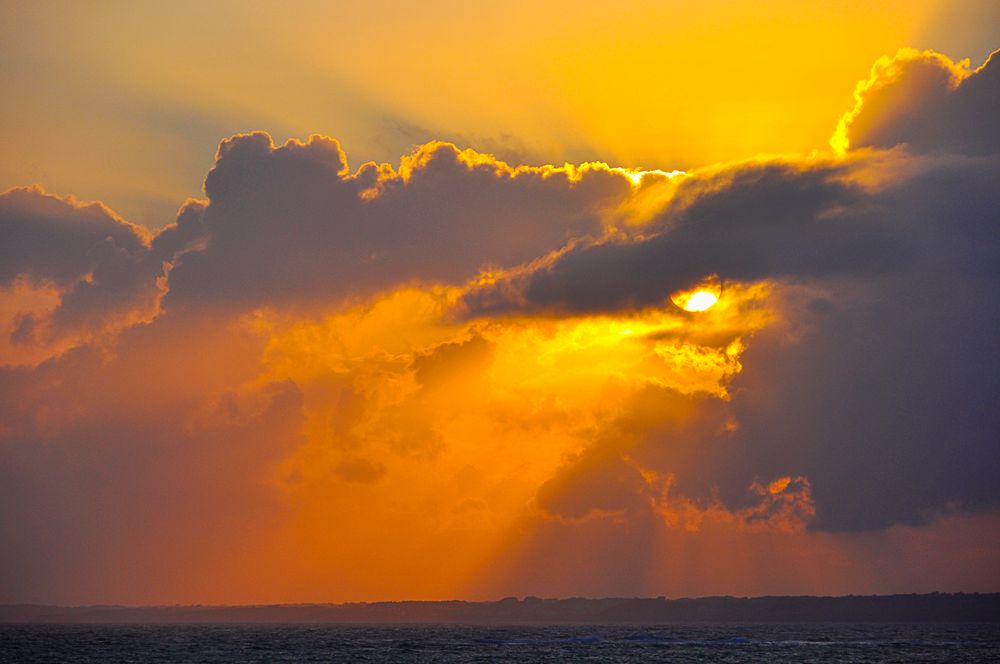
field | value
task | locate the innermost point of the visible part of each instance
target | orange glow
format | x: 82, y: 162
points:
x: 779, y: 485
x: 392, y: 387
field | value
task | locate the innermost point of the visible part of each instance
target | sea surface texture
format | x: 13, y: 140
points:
x: 869, y: 642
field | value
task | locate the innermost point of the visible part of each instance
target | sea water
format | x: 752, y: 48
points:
x: 773, y: 643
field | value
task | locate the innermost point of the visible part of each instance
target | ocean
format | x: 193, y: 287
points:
x: 773, y: 643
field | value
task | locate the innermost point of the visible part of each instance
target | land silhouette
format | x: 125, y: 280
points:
x: 933, y: 607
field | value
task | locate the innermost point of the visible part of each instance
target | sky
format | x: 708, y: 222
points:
x: 323, y: 302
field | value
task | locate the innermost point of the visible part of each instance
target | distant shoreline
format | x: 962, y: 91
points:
x: 932, y: 607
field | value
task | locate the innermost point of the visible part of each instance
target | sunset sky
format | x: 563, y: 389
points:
x: 322, y: 302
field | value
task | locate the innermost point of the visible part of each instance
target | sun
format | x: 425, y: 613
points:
x: 700, y: 301
x: 700, y: 297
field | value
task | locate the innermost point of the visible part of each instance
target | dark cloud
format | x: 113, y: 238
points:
x: 765, y: 221
x: 748, y: 223
x: 102, y: 267
x: 58, y: 241
x: 291, y: 223
x: 923, y: 100
x: 885, y: 403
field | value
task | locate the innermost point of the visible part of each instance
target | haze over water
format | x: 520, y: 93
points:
x: 735, y: 644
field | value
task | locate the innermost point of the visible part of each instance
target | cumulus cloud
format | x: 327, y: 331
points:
x: 85, y: 256
x: 293, y: 223
x: 47, y: 238
x: 924, y: 100
x: 99, y: 271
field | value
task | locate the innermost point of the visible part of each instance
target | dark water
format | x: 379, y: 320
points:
x: 341, y: 643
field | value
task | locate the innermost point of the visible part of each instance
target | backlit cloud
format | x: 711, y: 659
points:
x: 927, y: 102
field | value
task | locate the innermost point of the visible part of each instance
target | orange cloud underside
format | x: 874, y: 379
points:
x: 428, y: 439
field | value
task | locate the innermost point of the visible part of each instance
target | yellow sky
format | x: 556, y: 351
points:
x: 125, y: 102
